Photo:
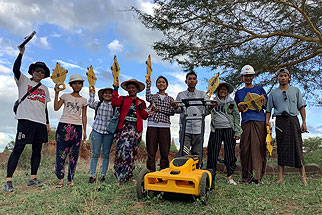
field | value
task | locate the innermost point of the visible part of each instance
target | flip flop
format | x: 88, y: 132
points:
x: 70, y: 184
x: 59, y: 185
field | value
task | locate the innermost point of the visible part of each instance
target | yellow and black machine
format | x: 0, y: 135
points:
x: 184, y: 175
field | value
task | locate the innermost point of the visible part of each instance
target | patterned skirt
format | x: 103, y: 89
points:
x: 127, y: 143
x: 289, y: 142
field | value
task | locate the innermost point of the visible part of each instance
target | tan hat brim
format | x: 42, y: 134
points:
x: 101, y: 91
x: 133, y: 81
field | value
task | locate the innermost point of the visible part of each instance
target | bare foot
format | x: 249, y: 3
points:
x: 304, y: 181
x: 132, y: 181
x: 280, y: 181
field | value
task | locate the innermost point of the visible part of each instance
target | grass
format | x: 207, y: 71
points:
x: 109, y: 198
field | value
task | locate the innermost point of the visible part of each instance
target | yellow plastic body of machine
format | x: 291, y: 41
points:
x: 183, y: 176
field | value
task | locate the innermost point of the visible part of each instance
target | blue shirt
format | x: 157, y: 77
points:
x: 291, y: 102
x: 250, y: 114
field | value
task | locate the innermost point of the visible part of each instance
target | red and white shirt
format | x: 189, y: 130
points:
x: 33, y: 107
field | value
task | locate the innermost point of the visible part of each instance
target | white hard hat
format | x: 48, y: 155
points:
x: 247, y: 70
x: 75, y: 77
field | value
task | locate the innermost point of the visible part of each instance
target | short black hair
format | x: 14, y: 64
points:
x: 191, y: 73
x: 166, y: 80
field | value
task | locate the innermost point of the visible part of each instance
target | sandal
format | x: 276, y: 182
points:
x: 69, y: 183
x: 59, y: 185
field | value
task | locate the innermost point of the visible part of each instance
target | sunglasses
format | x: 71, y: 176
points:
x: 39, y: 70
x: 284, y: 95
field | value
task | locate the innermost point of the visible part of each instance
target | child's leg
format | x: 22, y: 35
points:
x: 13, y: 160
x: 96, y: 140
x: 152, y: 139
x: 74, y: 150
x: 62, y: 150
x: 164, y: 146
x: 229, y: 150
x: 35, y: 159
x: 107, y: 143
x: 214, y: 145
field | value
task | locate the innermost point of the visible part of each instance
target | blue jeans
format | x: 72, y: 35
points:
x: 98, y: 140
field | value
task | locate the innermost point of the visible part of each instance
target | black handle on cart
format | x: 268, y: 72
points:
x: 187, y: 104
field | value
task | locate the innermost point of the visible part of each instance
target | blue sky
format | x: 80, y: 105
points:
x: 78, y: 34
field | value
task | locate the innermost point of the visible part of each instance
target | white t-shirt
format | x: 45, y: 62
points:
x: 33, y: 107
x: 73, y: 107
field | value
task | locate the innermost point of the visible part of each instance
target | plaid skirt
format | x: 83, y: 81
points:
x: 289, y: 142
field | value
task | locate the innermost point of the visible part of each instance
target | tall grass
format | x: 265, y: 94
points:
x: 110, y: 198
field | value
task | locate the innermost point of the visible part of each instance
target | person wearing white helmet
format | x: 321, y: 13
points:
x: 252, y: 142
x: 69, y: 131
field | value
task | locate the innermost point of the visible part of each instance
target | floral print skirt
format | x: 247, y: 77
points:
x: 68, y: 140
x: 127, y: 143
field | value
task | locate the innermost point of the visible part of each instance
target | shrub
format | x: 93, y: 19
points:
x: 312, y: 144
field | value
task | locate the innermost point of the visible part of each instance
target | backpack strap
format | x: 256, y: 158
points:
x: 96, y: 109
x: 29, y: 92
x: 114, y: 108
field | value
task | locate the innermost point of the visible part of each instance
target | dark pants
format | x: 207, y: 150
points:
x: 225, y: 135
x: 158, y: 137
x: 28, y: 132
x: 15, y: 155
x: 68, y: 140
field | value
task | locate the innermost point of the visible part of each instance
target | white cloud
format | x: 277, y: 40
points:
x: 4, y: 69
x: 68, y: 65
x: 6, y: 48
x: 85, y: 19
x: 147, y: 7
x: 44, y: 42
x: 4, y: 140
x: 115, y: 46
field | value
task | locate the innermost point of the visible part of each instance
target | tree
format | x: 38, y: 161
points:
x: 230, y: 34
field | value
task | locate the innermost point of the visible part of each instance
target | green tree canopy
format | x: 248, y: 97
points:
x: 230, y: 34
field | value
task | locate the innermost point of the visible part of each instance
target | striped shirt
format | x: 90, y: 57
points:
x: 104, y: 114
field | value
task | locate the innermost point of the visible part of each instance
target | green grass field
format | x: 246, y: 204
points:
x: 110, y: 198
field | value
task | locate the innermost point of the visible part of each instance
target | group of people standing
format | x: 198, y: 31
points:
x: 33, y: 125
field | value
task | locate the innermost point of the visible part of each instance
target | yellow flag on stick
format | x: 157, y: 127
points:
x: 115, y: 72
x: 213, y: 84
x: 148, y: 70
x: 59, y: 76
x: 252, y: 101
x: 269, y: 140
x: 91, y: 78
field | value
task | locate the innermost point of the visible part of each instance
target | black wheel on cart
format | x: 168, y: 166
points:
x: 204, y: 188
x: 213, y: 175
x: 140, y: 191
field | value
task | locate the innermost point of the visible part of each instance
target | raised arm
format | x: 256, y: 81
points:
x: 17, y: 64
x: 148, y: 95
x: 91, y: 101
x: 57, y: 104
